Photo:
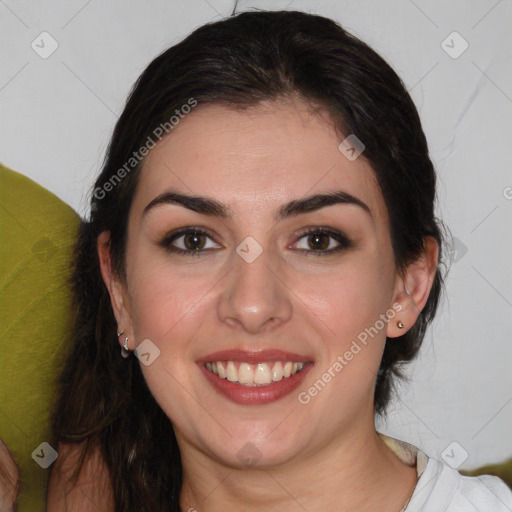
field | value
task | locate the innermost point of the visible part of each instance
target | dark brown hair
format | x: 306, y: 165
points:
x: 239, y: 62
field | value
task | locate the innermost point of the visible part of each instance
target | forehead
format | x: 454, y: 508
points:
x: 256, y: 158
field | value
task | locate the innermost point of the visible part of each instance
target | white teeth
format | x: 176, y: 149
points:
x: 262, y: 374
x: 247, y: 374
x: 277, y: 372
x: 231, y: 373
x: 220, y: 370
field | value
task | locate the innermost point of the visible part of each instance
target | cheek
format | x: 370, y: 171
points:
x: 168, y: 309
x: 350, y: 301
x: 352, y: 296
x: 163, y: 301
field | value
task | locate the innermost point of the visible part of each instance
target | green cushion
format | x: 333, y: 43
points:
x: 502, y: 470
x: 37, y: 234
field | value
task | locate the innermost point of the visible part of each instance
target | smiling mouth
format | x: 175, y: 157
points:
x: 253, y: 375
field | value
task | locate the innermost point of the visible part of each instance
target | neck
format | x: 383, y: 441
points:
x: 354, y: 472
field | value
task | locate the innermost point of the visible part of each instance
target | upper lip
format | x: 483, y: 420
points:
x: 254, y: 356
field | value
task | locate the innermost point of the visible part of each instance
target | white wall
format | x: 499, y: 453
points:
x: 57, y: 115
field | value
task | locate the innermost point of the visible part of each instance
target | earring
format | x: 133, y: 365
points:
x: 125, y: 351
x: 400, y: 325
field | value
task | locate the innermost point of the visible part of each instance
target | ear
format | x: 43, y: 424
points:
x: 412, y: 288
x: 115, y: 287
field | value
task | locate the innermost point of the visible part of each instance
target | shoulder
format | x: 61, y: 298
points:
x: 485, y: 492
x: 71, y: 480
x: 441, y: 487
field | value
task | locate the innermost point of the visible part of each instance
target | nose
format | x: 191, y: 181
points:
x: 255, y: 297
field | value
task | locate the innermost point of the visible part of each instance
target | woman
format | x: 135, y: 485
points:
x: 263, y: 232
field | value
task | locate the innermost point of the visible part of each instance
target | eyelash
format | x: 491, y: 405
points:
x: 342, y: 239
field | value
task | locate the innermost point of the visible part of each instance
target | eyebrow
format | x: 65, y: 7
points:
x: 209, y: 206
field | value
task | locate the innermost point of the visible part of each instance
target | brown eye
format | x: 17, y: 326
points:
x: 322, y: 241
x: 194, y: 241
x: 189, y: 241
x: 318, y: 241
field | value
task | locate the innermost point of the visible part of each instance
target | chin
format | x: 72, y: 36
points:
x: 258, y: 444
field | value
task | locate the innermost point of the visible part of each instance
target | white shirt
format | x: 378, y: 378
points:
x: 441, y: 488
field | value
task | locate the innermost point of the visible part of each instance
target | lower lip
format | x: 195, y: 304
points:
x: 256, y: 395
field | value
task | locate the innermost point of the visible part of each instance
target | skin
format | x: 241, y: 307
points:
x: 325, y: 453
x: 92, y: 489
x: 9, y: 479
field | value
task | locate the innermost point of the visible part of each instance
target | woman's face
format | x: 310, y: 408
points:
x: 279, y: 278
